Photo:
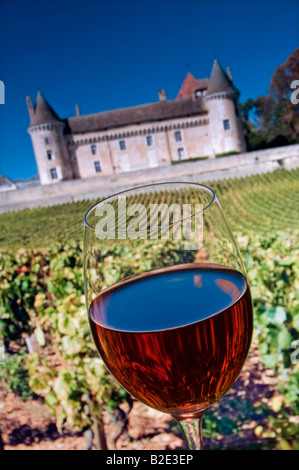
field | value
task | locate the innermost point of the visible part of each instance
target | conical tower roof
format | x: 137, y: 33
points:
x: 42, y: 113
x: 219, y: 81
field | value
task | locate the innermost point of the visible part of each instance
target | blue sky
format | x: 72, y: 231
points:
x: 106, y: 54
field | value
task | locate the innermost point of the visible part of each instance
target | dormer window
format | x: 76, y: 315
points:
x: 200, y: 92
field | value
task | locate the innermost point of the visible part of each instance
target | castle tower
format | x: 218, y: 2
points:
x: 221, y: 101
x: 47, y: 134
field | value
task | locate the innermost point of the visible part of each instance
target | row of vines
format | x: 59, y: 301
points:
x: 257, y: 203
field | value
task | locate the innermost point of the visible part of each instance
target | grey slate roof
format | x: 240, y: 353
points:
x: 152, y: 112
x: 42, y: 112
x: 219, y: 81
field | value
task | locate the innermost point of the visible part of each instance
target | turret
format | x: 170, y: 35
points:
x: 47, y: 133
x: 221, y: 101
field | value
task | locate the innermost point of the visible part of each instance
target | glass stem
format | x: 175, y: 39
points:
x: 192, y: 429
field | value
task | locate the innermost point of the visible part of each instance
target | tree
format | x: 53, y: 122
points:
x: 280, y: 88
x: 273, y: 120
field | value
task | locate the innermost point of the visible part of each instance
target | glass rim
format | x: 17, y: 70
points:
x: 134, y: 188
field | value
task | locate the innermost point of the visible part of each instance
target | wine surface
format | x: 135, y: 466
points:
x: 175, y: 338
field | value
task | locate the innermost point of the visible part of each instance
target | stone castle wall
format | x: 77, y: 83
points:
x: 198, y: 171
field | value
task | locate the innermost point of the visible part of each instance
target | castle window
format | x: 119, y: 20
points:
x: 181, y: 153
x: 122, y: 144
x: 149, y: 140
x: 53, y: 173
x: 226, y: 124
x: 97, y: 167
x: 200, y: 92
x: 93, y: 149
x: 50, y: 154
x: 47, y: 140
x: 178, y: 136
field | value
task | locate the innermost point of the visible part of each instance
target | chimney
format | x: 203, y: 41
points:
x: 77, y: 110
x: 229, y: 73
x: 162, y: 95
x: 29, y: 106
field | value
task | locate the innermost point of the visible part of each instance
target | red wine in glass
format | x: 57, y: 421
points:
x: 175, y: 327
x: 177, y: 338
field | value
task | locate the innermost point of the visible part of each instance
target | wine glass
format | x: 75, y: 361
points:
x: 168, y: 301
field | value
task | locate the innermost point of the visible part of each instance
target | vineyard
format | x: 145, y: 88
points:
x: 41, y: 299
x: 258, y: 203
